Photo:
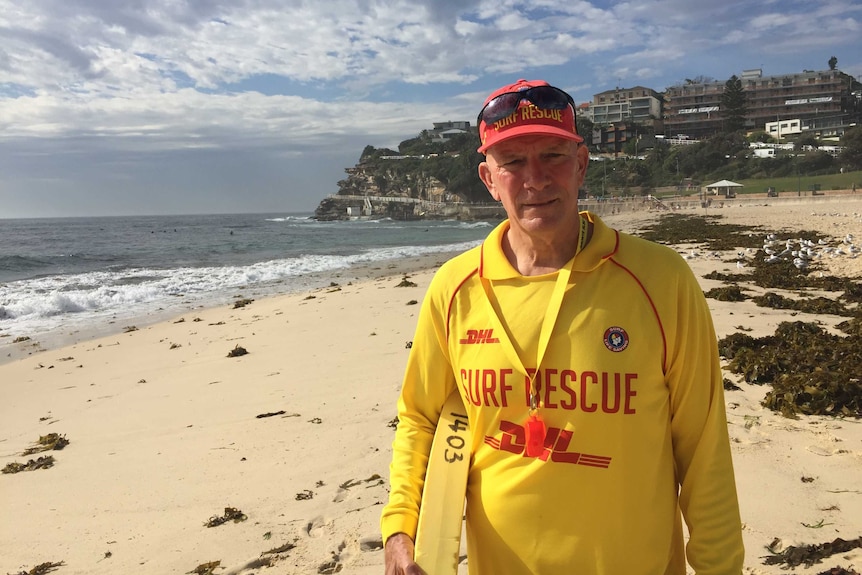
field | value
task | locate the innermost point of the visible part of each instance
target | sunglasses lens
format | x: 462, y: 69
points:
x: 504, y: 105
x: 501, y: 107
x: 548, y: 98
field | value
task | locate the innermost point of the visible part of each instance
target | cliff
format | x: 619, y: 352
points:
x: 425, y: 178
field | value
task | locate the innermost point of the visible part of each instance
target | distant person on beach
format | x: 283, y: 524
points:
x: 593, y: 390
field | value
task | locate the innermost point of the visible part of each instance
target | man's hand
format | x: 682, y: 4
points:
x: 398, y: 555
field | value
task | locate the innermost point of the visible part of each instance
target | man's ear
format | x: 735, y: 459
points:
x: 583, y: 158
x: 485, y: 176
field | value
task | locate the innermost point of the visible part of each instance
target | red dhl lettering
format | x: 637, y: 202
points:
x: 513, y: 439
x: 589, y: 391
x: 480, y: 336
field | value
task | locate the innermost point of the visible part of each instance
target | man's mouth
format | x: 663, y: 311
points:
x: 540, y: 204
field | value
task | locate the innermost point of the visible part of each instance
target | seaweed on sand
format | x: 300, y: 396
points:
x: 43, y: 462
x: 727, y: 293
x: 811, y: 371
x: 816, y: 305
x: 808, y: 555
x: 230, y: 514
x: 52, y: 441
x: 237, y: 351
x: 782, y: 274
x: 42, y: 568
x: 205, y: 568
x: 682, y: 229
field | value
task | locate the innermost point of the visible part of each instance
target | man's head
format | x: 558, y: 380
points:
x: 534, y: 162
x: 527, y: 108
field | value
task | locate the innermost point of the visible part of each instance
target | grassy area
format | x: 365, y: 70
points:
x: 792, y: 184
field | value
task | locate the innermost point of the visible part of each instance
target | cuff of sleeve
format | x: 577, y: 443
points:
x: 392, y: 524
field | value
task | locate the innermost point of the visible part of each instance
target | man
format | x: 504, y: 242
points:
x: 594, y: 394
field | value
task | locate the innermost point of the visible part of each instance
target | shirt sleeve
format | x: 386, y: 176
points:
x: 428, y: 381
x: 704, y: 468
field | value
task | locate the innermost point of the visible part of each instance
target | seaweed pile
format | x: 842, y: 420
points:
x: 811, y: 371
x: 44, y: 462
x: 43, y: 568
x: 808, y: 555
x: 48, y: 442
x: 230, y: 514
x: 682, y: 229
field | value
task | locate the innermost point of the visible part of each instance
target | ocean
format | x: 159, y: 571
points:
x: 66, y: 276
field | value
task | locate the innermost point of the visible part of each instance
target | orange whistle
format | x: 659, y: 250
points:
x: 535, y: 429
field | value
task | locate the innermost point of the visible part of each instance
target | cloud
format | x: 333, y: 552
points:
x: 131, y: 84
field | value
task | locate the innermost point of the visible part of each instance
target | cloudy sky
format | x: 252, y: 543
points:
x: 112, y: 107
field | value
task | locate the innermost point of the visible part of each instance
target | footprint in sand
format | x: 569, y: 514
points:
x: 826, y: 450
x: 371, y: 544
x: 748, y: 431
x: 340, y: 558
x: 315, y: 527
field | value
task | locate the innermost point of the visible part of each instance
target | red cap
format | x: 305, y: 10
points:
x: 528, y: 120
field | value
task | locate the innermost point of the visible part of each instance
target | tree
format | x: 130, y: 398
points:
x: 851, y: 157
x: 367, y: 153
x: 585, y: 129
x: 733, y: 105
x: 760, y: 136
x: 833, y: 62
x: 806, y: 140
x: 700, y: 80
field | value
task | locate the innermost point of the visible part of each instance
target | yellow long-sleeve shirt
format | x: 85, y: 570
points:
x: 631, y: 394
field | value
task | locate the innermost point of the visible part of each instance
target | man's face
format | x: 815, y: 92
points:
x: 537, y: 180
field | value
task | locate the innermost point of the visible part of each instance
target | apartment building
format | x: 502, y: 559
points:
x: 824, y: 103
x: 619, y: 115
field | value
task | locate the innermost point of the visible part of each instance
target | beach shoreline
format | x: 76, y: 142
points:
x: 169, y: 426
x: 112, y: 325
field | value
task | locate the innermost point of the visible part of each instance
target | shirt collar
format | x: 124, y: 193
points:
x: 494, y: 265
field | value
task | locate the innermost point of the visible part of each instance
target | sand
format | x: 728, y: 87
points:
x: 167, y: 431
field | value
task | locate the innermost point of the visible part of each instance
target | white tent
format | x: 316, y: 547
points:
x: 724, y: 187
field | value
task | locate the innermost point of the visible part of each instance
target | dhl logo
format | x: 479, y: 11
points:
x: 480, y: 336
x: 556, y: 448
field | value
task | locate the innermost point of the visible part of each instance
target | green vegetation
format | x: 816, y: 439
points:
x: 451, y: 163
x: 733, y: 105
x: 728, y: 156
x: 425, y: 165
x: 804, y: 182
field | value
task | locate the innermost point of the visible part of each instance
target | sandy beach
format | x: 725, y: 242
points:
x: 285, y: 449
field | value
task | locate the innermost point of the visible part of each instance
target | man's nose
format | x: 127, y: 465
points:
x: 536, y: 174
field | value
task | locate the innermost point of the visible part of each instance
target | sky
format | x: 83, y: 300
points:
x: 138, y: 107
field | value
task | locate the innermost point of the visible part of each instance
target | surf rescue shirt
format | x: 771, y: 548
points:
x: 631, y: 395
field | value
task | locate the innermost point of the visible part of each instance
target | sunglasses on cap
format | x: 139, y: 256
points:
x: 504, y: 105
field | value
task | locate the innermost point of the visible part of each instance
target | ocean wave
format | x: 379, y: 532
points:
x: 290, y: 219
x: 36, y: 304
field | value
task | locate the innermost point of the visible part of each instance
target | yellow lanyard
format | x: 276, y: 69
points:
x: 553, y: 310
